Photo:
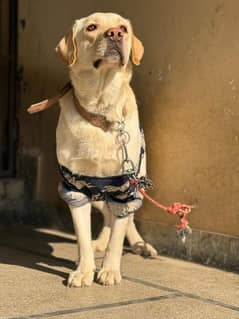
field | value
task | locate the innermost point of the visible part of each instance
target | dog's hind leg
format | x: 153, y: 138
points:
x: 102, y: 240
x: 137, y: 244
x: 84, y: 274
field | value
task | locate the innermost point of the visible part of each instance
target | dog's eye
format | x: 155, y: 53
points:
x: 91, y: 27
x: 123, y: 28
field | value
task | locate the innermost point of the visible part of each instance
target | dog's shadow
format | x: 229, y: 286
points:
x: 30, y: 247
x: 27, y: 247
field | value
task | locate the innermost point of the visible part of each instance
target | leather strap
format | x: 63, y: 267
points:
x: 97, y: 120
x: 46, y: 104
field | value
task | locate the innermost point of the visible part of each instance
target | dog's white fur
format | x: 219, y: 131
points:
x: 88, y: 150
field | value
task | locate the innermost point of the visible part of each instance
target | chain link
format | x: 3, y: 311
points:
x: 123, y: 138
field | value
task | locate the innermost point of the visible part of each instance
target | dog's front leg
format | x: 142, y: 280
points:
x: 110, y: 272
x: 84, y: 274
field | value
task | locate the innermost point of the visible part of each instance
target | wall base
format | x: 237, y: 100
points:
x: 204, y: 247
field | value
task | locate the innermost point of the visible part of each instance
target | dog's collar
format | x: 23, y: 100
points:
x: 97, y: 120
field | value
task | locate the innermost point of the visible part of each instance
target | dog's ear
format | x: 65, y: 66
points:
x: 67, y: 48
x: 137, y: 50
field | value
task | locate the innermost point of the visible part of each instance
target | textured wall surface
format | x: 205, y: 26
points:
x: 187, y: 91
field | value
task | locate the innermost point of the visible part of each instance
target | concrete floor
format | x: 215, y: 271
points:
x: 35, y: 264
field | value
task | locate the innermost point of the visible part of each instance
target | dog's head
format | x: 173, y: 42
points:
x: 100, y: 40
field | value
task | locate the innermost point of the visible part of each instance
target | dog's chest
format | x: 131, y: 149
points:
x: 88, y: 150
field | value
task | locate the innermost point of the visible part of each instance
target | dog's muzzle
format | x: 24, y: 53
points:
x: 114, y: 52
x: 115, y: 38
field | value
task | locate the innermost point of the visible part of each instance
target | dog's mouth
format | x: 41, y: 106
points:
x: 114, y: 53
x: 113, y: 56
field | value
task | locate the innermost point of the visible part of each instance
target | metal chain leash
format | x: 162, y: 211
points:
x: 142, y: 183
x: 123, y: 138
x: 128, y: 167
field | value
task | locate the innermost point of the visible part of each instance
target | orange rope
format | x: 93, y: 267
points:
x: 175, y: 209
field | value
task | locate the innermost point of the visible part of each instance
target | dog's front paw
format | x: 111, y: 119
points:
x: 109, y: 277
x: 144, y: 249
x: 80, y: 279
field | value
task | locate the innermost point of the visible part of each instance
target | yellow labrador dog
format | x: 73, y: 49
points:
x: 100, y: 147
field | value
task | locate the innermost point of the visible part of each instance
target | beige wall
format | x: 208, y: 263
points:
x: 187, y: 88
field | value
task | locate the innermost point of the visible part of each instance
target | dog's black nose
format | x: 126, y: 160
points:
x: 115, y: 34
